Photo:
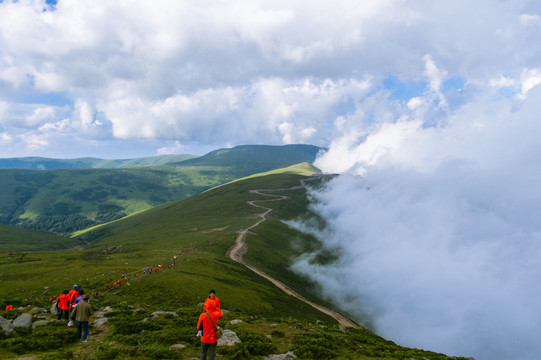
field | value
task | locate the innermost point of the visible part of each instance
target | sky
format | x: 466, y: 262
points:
x: 429, y: 110
x: 122, y: 79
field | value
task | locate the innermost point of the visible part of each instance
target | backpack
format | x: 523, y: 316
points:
x: 219, y: 331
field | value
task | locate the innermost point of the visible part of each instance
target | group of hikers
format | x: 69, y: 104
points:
x: 146, y: 271
x: 74, y: 304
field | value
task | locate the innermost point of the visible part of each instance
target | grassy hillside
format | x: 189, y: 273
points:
x: 68, y: 200
x: 198, y: 231
x: 250, y: 159
x: 14, y: 239
x: 39, y: 163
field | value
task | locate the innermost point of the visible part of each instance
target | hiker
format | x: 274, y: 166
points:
x: 63, y: 305
x: 73, y: 294
x: 81, y: 314
x: 207, y: 325
x: 212, y: 297
x: 80, y: 296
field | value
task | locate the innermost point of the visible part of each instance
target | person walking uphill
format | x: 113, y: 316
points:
x: 63, y: 305
x: 81, y: 313
x: 73, y: 294
x: 207, y: 324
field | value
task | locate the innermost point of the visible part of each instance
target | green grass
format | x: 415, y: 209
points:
x: 14, y: 239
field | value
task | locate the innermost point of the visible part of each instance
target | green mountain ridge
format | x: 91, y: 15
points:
x: 67, y: 200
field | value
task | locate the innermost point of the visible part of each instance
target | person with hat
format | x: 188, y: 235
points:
x: 81, y: 313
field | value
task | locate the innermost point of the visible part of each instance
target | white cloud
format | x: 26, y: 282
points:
x: 57, y: 126
x: 175, y: 148
x: 530, y: 79
x: 501, y: 81
x: 35, y: 142
x: 5, y: 138
x: 40, y: 115
x: 441, y: 232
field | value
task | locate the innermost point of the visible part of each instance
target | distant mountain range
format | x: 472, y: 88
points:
x: 67, y: 195
x: 39, y: 163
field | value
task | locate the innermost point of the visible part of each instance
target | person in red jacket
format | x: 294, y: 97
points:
x: 63, y: 305
x: 206, y: 328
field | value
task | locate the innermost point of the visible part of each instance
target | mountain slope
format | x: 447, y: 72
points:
x: 68, y: 200
x: 14, y: 239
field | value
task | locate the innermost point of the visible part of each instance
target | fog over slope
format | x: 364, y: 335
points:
x: 439, y: 225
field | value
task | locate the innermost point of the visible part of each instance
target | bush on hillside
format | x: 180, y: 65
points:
x: 10, y: 315
x: 252, y: 344
x: 49, y: 337
x: 61, y: 354
x: 312, y: 345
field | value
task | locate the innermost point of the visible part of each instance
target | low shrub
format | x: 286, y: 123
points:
x: 10, y: 315
x: 252, y: 344
x: 311, y: 345
x: 49, y: 337
x: 278, y: 333
x: 61, y: 354
x: 106, y: 353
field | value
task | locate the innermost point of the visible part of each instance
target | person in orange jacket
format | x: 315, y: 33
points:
x: 212, y: 297
x: 63, y: 305
x: 206, y: 329
x: 73, y: 293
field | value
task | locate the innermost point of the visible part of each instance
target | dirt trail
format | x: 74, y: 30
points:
x: 239, y: 248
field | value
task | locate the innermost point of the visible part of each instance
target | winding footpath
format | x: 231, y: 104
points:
x: 238, y: 249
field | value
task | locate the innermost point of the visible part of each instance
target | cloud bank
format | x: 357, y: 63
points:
x: 438, y: 225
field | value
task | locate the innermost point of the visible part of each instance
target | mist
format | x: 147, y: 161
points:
x: 438, y: 228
